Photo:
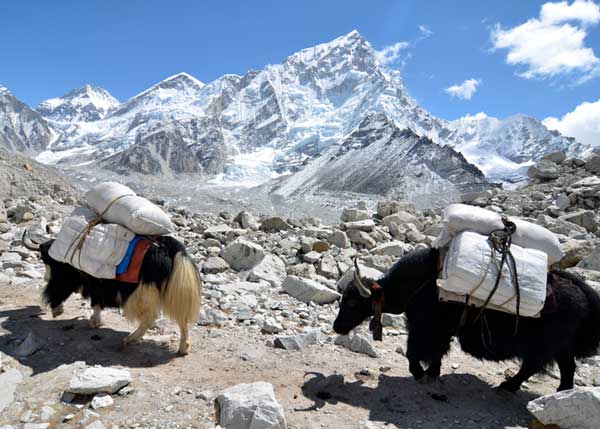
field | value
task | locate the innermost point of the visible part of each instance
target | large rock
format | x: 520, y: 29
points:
x: 593, y: 164
x: 298, y: 341
x: 575, y: 251
x: 367, y: 272
x: 358, y: 344
x: 394, y: 248
x: 555, y: 157
x: 578, y: 408
x: 307, y: 290
x: 270, y: 269
x: 247, y: 221
x: 243, y: 254
x: 544, y: 170
x: 592, y: 261
x: 366, y: 225
x: 99, y: 379
x: 274, y: 224
x: 214, y: 265
x: 402, y: 218
x: 29, y: 346
x: 386, y: 208
x: 250, y: 406
x: 339, y: 239
x: 351, y: 215
x: 584, y: 218
x: 8, y: 385
x: 361, y: 237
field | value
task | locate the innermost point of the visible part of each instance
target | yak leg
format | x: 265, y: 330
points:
x: 184, y: 344
x: 137, y: 335
x: 566, y: 364
x: 142, y: 306
x: 528, y: 368
x: 96, y: 318
x: 414, y: 363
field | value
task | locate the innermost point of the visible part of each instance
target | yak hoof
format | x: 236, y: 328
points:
x: 57, y: 311
x: 184, y: 349
x: 94, y: 323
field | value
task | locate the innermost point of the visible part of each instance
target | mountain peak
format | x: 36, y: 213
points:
x: 184, y: 77
x: 83, y: 104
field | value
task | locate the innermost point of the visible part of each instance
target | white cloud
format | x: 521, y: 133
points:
x: 425, y: 32
x: 554, y: 43
x: 465, y: 90
x: 390, y: 54
x: 583, y: 123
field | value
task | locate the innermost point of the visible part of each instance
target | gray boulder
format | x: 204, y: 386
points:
x: 339, y: 239
x: 274, y: 224
x: 99, y: 379
x: 578, y: 408
x: 394, y: 248
x: 555, y: 157
x: 298, y: 341
x: 270, y: 269
x: 307, y: 290
x: 584, y: 218
x: 358, y: 344
x: 351, y: 215
x: 361, y: 237
x: 592, y: 164
x: 250, y: 406
x: 592, y: 261
x: 214, y: 265
x: 544, y: 170
x: 243, y: 254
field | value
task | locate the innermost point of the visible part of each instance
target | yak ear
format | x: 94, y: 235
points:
x: 363, y: 289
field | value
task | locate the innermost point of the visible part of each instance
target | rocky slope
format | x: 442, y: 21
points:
x: 269, y: 299
x: 21, y: 128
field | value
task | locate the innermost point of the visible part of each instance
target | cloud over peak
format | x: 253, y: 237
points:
x: 465, y: 90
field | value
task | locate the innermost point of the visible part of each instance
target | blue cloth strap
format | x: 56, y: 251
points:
x: 122, y: 267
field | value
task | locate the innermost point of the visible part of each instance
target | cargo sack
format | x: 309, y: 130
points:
x: 119, y: 204
x: 471, y: 269
x: 101, y: 250
x: 461, y: 217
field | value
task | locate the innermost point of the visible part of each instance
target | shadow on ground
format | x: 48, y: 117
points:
x: 67, y: 341
x: 456, y: 400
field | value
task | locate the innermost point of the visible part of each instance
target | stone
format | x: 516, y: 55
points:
x: 366, y: 272
x: 250, y: 406
x: 243, y: 254
x: 360, y: 237
x: 99, y: 379
x: 271, y: 326
x: 386, y: 208
x: 339, y: 239
x: 578, y: 408
x: 247, y: 221
x: 357, y: 343
x: 274, y: 224
x: 3, y: 216
x: 270, y: 269
x: 584, y: 218
x: 555, y: 157
x: 215, y: 231
x: 102, y: 400
x: 328, y: 267
x: 298, y: 341
x: 22, y: 214
x: 592, y: 164
x: 307, y: 290
x: 402, y: 218
x: 592, y: 261
x: 311, y: 257
x: 352, y: 215
x: 8, y: 385
x: 544, y: 170
x: 392, y: 320
x: 95, y: 425
x: 214, y: 265
x: 366, y: 225
x: 210, y: 316
x: 320, y: 246
x: 29, y: 346
x: 394, y: 248
x: 46, y: 413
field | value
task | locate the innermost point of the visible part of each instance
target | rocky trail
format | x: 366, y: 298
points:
x: 269, y: 301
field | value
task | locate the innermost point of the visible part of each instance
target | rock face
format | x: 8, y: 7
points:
x: 543, y: 170
x: 250, y: 406
x: 99, y: 379
x: 307, y: 290
x: 578, y: 408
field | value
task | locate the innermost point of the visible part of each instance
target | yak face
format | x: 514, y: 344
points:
x: 354, y: 309
x: 63, y: 280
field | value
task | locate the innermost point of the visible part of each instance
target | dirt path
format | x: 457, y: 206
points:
x: 335, y: 387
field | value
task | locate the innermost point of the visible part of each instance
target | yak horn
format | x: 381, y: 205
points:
x: 364, y: 291
x: 32, y: 245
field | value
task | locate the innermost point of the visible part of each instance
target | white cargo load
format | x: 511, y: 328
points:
x: 461, y: 217
x: 102, y: 250
x: 120, y: 205
x: 470, y: 270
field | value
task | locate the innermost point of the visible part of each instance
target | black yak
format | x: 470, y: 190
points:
x: 568, y: 328
x: 169, y: 282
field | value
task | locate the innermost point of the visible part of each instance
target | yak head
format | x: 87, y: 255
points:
x: 356, y: 304
x: 62, y: 279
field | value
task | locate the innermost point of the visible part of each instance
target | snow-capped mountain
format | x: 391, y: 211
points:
x: 289, y: 116
x: 22, y: 129
x: 380, y: 158
x: 85, y: 104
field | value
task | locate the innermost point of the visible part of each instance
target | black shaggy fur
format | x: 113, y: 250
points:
x: 569, y: 331
x: 65, y: 279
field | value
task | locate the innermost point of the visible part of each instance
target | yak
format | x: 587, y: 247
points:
x: 568, y: 327
x: 169, y: 282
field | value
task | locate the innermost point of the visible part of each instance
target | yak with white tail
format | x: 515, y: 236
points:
x: 169, y: 282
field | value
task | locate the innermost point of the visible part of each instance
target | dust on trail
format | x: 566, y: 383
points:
x: 320, y: 386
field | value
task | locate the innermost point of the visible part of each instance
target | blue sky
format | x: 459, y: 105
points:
x: 50, y: 47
